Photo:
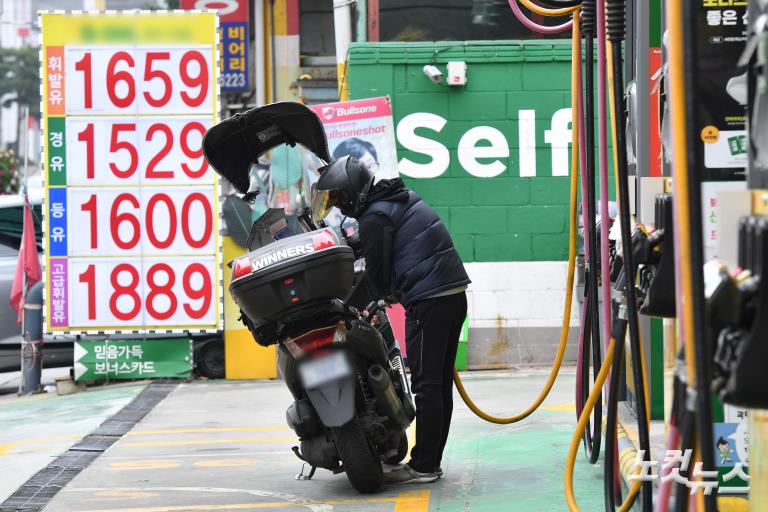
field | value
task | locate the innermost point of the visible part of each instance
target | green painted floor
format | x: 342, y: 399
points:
x: 225, y: 446
x: 35, y: 429
x: 515, y: 467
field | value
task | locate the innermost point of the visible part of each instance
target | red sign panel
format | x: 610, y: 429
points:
x: 229, y: 10
x: 345, y: 111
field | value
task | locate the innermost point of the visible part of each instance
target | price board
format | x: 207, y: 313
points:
x: 132, y: 206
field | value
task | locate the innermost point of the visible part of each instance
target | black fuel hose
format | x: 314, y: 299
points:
x: 592, y: 436
x: 615, y: 25
x: 703, y: 351
x: 619, y: 332
x: 685, y: 420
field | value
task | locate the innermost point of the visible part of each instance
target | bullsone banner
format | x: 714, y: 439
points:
x: 132, y: 206
x: 362, y: 129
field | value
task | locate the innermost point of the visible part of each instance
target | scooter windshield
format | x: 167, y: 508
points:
x: 233, y: 145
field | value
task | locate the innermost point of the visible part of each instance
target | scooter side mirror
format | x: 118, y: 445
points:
x: 238, y: 219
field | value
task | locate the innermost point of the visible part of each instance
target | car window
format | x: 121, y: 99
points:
x: 7, y: 251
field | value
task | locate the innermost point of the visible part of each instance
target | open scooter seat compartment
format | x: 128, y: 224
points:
x: 272, y: 281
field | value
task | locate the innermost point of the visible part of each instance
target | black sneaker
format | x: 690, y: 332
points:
x: 440, y: 473
x: 407, y: 475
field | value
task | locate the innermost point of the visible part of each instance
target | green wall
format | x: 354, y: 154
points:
x: 501, y: 218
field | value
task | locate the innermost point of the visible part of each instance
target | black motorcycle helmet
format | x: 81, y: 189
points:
x: 344, y: 184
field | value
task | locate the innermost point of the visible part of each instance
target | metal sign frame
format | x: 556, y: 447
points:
x: 162, y: 77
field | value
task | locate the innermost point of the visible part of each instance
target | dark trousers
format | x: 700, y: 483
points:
x: 432, y: 330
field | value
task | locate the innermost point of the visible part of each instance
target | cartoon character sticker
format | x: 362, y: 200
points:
x: 724, y: 452
x: 731, y: 444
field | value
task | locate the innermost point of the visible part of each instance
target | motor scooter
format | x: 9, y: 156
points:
x: 299, y: 290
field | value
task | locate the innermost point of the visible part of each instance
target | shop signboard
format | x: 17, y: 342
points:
x: 107, y: 359
x: 235, y: 42
x: 132, y: 206
x: 721, y: 123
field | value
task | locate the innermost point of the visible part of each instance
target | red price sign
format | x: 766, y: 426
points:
x: 143, y: 291
x: 132, y: 210
x: 132, y: 151
x: 138, y: 80
x: 115, y: 221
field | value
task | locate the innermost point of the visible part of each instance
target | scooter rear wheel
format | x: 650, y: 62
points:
x: 360, y: 461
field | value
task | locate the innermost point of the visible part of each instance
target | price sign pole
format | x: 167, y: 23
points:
x: 132, y: 207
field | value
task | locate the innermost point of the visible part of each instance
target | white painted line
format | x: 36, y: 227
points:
x: 192, y: 455
x: 291, y: 498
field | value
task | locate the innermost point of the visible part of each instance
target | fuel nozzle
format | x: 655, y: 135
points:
x: 656, y: 281
x: 737, y: 313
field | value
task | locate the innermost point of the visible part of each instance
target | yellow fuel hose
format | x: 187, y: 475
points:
x: 573, y: 449
x: 682, y: 199
x: 675, y: 24
x: 549, y: 12
x: 575, y: 68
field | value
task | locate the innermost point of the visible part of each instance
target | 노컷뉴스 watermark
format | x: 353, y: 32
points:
x: 676, y: 461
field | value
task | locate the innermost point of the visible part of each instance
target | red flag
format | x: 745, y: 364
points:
x: 28, y: 262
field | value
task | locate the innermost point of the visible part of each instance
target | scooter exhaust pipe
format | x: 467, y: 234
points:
x: 386, y: 397
x: 399, y: 366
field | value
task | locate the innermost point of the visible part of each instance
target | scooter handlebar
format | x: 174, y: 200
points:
x: 375, y: 306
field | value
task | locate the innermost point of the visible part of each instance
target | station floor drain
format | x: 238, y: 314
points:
x: 36, y: 492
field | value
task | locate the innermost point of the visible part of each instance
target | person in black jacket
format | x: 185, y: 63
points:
x: 409, y: 255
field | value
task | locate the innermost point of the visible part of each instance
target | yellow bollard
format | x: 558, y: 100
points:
x: 244, y: 358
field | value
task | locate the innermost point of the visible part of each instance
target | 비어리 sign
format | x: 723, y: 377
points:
x: 132, y: 208
x: 234, y: 40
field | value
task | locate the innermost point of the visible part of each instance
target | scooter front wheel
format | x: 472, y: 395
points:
x: 360, y: 461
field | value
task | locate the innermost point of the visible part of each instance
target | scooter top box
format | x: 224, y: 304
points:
x: 290, y: 273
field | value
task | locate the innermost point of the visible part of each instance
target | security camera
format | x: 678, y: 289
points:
x: 433, y: 73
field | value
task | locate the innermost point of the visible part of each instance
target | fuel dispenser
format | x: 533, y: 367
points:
x: 667, y: 255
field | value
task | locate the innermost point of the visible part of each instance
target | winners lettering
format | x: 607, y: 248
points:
x: 282, y: 254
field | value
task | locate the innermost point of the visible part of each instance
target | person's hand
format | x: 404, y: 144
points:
x: 373, y: 321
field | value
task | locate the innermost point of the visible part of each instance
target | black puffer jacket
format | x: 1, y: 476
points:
x: 408, y: 250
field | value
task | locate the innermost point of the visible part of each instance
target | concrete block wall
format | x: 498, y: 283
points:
x: 502, y: 219
x: 516, y: 312
x: 492, y: 159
